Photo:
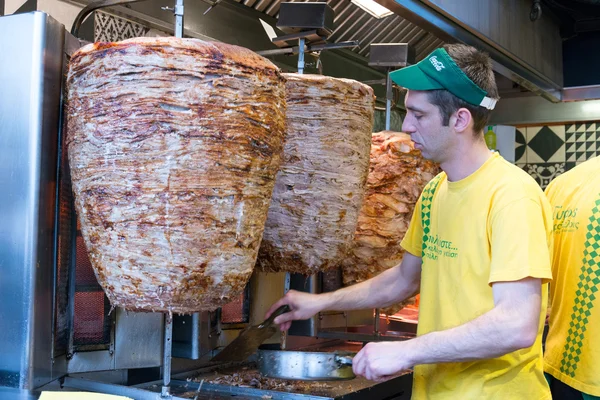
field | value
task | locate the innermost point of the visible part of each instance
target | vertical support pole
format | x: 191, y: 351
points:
x: 168, y: 346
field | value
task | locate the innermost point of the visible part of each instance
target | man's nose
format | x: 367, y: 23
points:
x: 408, y: 126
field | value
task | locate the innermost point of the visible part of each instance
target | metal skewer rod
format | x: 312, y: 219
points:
x: 286, y: 288
x: 178, y: 18
x: 301, y: 55
x: 168, y: 346
x: 286, y: 283
x: 388, y: 101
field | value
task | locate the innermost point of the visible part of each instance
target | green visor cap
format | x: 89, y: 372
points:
x: 439, y: 71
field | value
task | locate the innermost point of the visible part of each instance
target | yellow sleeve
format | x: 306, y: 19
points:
x: 520, y: 242
x: 413, y: 239
x: 549, y: 192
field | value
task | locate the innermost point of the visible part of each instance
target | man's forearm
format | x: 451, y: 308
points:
x: 491, y: 335
x: 389, y: 287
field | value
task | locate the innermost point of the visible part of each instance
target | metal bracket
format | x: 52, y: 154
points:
x: 310, y: 36
x: 212, y: 5
x: 309, y: 48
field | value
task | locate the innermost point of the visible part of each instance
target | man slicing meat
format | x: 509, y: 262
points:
x: 478, y: 251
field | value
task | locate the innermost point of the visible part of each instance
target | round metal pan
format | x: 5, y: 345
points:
x: 305, y: 365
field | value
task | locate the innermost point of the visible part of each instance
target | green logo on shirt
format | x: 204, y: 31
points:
x: 437, y: 247
x: 564, y: 220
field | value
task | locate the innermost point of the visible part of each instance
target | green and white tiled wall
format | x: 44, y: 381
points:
x: 547, y: 151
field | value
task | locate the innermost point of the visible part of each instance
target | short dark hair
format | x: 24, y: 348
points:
x: 477, y: 66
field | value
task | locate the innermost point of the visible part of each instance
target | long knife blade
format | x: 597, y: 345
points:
x: 250, y: 339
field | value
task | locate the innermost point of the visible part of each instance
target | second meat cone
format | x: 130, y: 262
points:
x: 320, y: 186
x: 173, y: 147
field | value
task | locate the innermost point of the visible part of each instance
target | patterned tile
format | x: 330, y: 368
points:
x: 110, y: 28
x: 544, y: 173
x: 582, y: 142
x: 546, y: 144
x: 520, y: 146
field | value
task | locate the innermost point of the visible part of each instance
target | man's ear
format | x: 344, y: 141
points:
x: 461, y: 120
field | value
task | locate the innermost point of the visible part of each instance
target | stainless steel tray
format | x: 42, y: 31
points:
x: 305, y: 365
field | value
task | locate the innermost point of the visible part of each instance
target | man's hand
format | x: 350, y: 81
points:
x: 382, y: 361
x: 303, y: 306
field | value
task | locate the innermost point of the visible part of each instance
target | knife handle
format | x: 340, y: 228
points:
x: 281, y: 310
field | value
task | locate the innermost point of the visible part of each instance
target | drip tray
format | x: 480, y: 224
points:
x: 398, y: 388
x: 245, y: 382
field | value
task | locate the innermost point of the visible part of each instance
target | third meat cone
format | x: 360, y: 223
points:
x: 397, y: 176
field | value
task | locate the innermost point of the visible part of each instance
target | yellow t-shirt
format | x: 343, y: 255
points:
x: 493, y: 226
x: 573, y: 343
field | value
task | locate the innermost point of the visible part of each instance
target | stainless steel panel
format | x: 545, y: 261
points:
x: 536, y: 110
x: 138, y: 344
x: 310, y: 284
x: 576, y: 93
x: 193, y: 335
x: 30, y: 82
x: 88, y: 361
x: 138, y: 339
x: 186, y: 336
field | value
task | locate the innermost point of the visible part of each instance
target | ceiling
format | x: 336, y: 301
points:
x: 575, y: 16
x: 352, y: 23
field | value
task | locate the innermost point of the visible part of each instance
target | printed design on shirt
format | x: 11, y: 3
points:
x: 589, y: 284
x: 438, y: 247
x: 564, y: 220
x: 426, y: 202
